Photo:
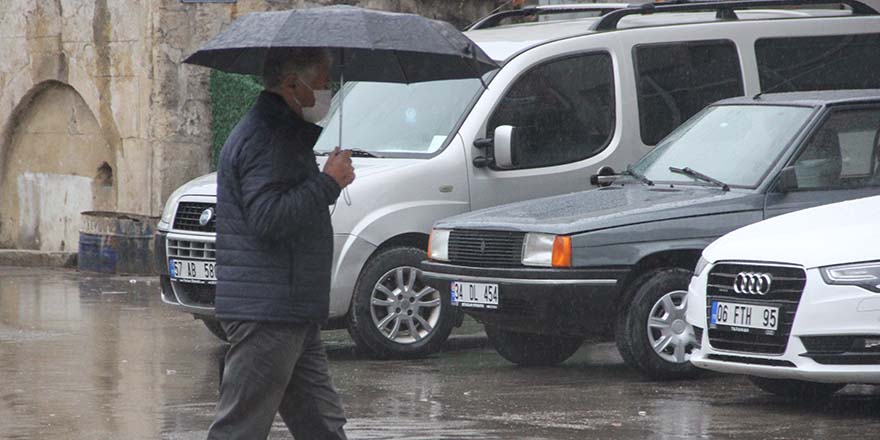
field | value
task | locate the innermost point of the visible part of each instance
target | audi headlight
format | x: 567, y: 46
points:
x: 702, y: 264
x: 865, y: 275
x: 546, y: 250
x: 438, y: 245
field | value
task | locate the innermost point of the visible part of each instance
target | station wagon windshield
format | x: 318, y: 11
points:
x: 735, y: 144
x: 390, y: 118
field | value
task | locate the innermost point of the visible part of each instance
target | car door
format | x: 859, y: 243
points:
x: 839, y: 162
x: 564, y: 111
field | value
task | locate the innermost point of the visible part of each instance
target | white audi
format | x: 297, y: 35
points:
x: 793, y: 302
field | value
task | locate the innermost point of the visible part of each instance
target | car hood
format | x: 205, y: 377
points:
x: 832, y: 234
x: 364, y: 166
x: 604, y: 208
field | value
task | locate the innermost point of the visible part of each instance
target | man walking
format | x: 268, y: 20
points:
x: 274, y: 255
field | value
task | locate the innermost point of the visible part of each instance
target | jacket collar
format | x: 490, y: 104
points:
x: 272, y: 106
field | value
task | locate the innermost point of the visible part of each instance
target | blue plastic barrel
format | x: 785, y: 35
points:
x: 117, y: 243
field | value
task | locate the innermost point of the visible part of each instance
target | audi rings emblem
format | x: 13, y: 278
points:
x: 206, y: 216
x: 751, y: 283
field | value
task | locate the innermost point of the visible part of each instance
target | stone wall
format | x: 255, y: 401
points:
x: 97, y: 112
x: 75, y: 86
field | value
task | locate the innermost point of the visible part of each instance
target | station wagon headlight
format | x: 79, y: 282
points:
x: 546, y: 250
x: 438, y: 245
x: 865, y: 275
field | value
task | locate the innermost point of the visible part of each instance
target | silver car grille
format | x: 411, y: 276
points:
x: 196, y: 250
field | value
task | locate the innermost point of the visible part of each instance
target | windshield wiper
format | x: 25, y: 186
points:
x: 355, y: 152
x: 640, y: 177
x: 700, y: 176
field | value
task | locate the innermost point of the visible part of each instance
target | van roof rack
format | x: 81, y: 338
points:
x: 724, y: 10
x: 495, y: 19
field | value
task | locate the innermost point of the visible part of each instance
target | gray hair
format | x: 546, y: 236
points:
x: 302, y: 61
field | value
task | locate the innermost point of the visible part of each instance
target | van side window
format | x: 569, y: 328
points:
x: 676, y: 80
x: 819, y: 63
x: 563, y: 111
x: 842, y: 153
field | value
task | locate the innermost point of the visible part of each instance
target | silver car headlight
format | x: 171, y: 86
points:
x: 865, y: 275
x: 438, y: 245
x: 546, y: 250
x: 167, y: 212
x: 702, y: 264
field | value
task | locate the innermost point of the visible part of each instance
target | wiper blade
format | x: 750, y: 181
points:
x: 357, y: 152
x: 700, y: 176
x: 641, y: 178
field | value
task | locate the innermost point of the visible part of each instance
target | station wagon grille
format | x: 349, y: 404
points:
x: 187, y: 217
x: 785, y: 293
x: 486, y: 248
x: 192, y: 250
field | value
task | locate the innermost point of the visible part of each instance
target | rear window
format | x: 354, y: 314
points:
x: 819, y: 63
x: 677, y: 80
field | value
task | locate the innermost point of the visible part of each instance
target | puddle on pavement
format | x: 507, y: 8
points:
x: 86, y: 357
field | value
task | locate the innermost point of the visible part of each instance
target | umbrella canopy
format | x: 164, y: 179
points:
x: 367, y: 45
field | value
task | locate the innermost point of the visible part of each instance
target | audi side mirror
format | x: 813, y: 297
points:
x: 787, y: 181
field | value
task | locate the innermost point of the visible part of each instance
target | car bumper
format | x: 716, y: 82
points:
x: 825, y: 344
x: 350, y: 254
x: 545, y: 301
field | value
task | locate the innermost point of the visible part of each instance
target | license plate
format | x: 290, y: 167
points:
x: 189, y: 271
x: 744, y: 316
x: 477, y: 295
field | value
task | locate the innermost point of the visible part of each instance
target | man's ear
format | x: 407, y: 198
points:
x: 290, y: 82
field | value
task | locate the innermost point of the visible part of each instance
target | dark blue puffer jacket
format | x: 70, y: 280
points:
x: 274, y: 237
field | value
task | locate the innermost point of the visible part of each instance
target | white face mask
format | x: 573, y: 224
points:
x: 317, y: 112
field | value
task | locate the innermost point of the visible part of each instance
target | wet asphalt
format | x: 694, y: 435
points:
x: 93, y: 357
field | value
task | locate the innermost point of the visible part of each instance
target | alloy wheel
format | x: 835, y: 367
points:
x: 404, y: 309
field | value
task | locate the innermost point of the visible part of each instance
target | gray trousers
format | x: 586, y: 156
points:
x: 276, y: 368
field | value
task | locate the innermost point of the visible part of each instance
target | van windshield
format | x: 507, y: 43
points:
x: 390, y: 118
x: 736, y: 144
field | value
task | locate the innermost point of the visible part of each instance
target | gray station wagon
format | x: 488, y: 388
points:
x: 544, y: 274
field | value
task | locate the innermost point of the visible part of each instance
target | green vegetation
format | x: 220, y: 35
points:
x: 231, y: 97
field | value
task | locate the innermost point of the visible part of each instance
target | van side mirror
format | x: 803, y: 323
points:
x: 787, y: 180
x: 504, y: 139
x: 606, y: 176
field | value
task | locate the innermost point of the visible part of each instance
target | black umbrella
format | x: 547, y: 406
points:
x: 367, y: 45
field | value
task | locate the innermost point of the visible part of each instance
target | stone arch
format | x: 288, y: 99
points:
x: 56, y: 164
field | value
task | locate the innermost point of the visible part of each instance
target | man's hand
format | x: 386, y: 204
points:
x: 338, y: 166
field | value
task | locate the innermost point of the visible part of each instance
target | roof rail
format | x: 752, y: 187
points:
x: 495, y: 19
x: 724, y: 9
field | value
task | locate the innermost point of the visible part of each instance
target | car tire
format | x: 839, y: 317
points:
x: 797, y: 389
x: 656, y: 317
x: 394, y: 316
x: 531, y: 350
x: 214, y: 326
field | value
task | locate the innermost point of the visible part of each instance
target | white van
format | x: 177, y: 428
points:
x: 572, y: 96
